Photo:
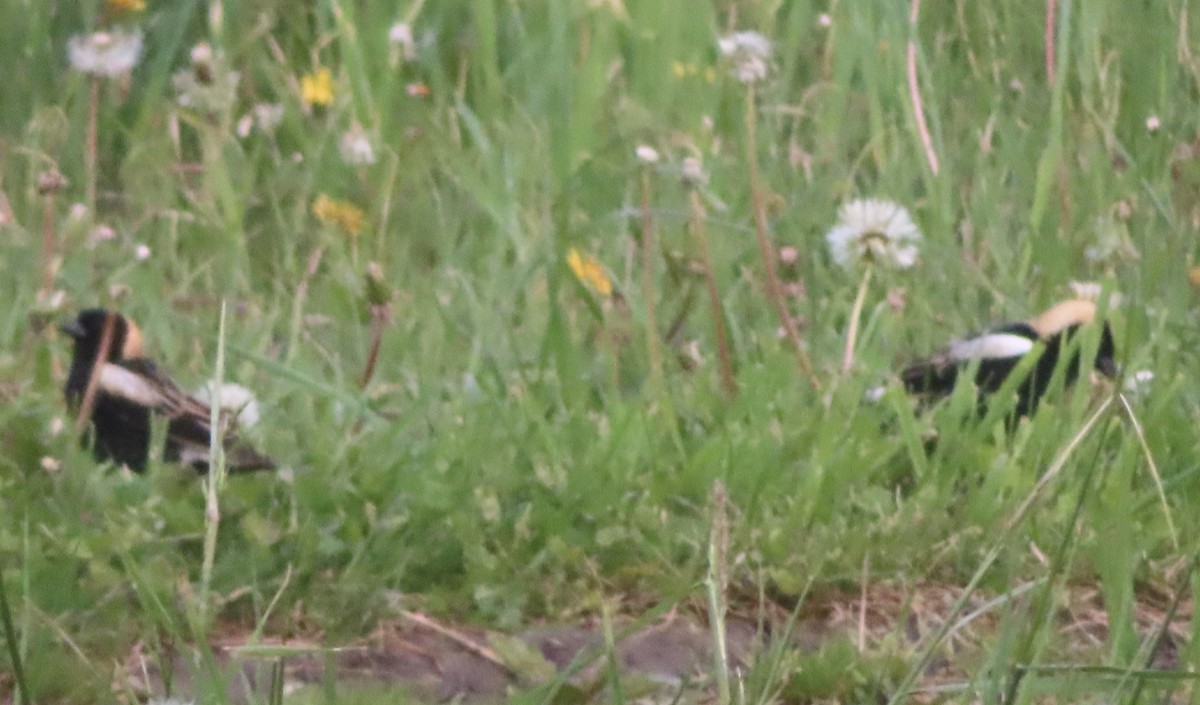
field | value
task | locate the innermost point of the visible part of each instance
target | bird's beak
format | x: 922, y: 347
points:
x: 1107, y: 367
x: 73, y: 329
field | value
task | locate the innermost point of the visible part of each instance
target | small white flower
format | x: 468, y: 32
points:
x: 400, y: 36
x: 1139, y: 382
x: 355, y: 147
x: 142, y: 253
x: 268, y: 116
x: 750, y: 53
x: 235, y: 399
x: 99, y: 235
x: 875, y: 231
x: 202, y: 54
x: 50, y: 464
x: 692, y: 172
x: 824, y: 20
x: 1153, y: 123
x: 105, y: 53
x: 646, y: 154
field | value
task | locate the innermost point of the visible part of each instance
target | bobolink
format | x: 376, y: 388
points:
x: 1000, y: 350
x: 129, y: 388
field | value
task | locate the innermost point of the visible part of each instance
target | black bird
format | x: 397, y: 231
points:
x: 129, y: 388
x: 1001, y: 349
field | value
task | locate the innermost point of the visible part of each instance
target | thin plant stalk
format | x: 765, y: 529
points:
x: 653, y: 345
x: 1051, y: 19
x: 10, y: 639
x: 93, y: 386
x: 297, y: 322
x: 379, y: 319
x: 716, y: 582
x: 728, y: 381
x: 914, y: 88
x: 612, y: 661
x: 89, y: 154
x: 855, y: 315
x: 774, y: 289
x: 48, y: 244
x: 216, y: 470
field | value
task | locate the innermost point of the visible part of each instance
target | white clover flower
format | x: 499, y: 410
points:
x: 235, y: 399
x: 142, y: 252
x: 355, y: 147
x: 105, y: 53
x: 750, y: 53
x: 874, y: 231
x: 1153, y: 123
x: 646, y: 154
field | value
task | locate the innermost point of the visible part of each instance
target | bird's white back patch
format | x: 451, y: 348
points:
x: 991, y: 346
x: 120, y: 382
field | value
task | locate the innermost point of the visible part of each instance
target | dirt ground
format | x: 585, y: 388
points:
x: 437, y: 662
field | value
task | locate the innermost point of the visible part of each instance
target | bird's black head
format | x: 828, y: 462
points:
x: 87, y: 330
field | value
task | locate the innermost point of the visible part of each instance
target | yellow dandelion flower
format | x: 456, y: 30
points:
x: 1194, y: 276
x: 316, y: 88
x: 678, y: 69
x: 589, y: 272
x: 126, y: 6
x: 342, y: 214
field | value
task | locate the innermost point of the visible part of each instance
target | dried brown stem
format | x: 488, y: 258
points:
x: 380, y: 315
x: 93, y: 385
x: 728, y: 382
x: 774, y: 289
x: 89, y: 155
x: 653, y: 349
x: 1051, y: 19
x: 914, y: 89
x: 314, y: 262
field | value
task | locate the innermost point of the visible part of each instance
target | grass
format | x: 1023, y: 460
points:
x: 529, y: 450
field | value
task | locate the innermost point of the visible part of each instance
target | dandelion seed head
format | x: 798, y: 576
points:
x: 750, y: 54
x: 235, y: 399
x: 874, y: 231
x: 355, y: 147
x: 209, y: 85
x: 105, y: 53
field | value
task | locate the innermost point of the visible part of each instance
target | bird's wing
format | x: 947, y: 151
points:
x: 189, y: 431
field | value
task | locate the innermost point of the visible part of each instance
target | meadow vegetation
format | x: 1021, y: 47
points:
x: 467, y: 251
